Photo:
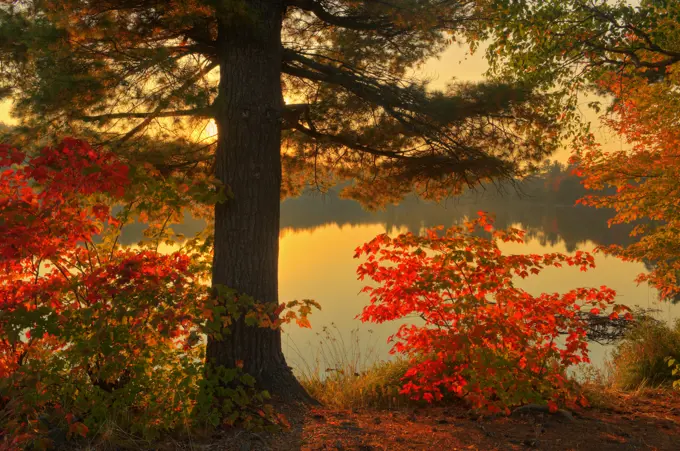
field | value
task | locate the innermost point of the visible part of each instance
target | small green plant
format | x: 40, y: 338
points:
x: 642, y: 357
x: 675, y: 371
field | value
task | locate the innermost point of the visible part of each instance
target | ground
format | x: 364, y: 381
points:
x: 644, y: 421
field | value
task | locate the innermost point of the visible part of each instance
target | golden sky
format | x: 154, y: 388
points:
x: 455, y: 63
x: 4, y: 113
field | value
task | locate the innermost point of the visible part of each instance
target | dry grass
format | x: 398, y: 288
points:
x: 640, y: 359
x: 375, y: 387
x: 637, y: 369
x: 345, y: 373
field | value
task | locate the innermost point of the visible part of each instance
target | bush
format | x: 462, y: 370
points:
x: 641, y: 358
x: 97, y: 340
x: 479, y: 337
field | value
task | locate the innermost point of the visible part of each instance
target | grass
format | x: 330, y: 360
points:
x: 345, y: 373
x: 597, y: 385
x: 637, y: 366
x: 639, y: 360
x: 375, y: 387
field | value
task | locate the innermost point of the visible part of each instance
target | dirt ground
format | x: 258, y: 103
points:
x: 648, y: 421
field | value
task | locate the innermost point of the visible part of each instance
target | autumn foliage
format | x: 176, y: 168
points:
x: 96, y: 337
x: 83, y: 326
x: 473, y: 333
x: 639, y: 183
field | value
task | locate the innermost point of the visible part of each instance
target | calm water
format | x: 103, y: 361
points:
x: 320, y: 232
x: 319, y: 235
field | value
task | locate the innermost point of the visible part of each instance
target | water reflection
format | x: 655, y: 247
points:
x: 549, y: 223
x: 320, y: 232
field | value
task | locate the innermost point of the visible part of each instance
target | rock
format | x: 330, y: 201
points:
x: 485, y: 431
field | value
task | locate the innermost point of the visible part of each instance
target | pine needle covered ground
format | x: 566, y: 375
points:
x: 648, y: 419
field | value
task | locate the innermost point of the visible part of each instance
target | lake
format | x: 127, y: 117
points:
x: 319, y: 233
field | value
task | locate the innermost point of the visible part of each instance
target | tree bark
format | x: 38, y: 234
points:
x: 248, y: 116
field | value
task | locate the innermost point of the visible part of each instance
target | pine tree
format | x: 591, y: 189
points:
x: 321, y: 84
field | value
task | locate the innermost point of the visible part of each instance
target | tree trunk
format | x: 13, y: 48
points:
x: 248, y: 162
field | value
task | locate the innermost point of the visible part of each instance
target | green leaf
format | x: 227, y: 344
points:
x: 92, y: 169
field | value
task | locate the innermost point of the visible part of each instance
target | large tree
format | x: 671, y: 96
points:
x: 321, y: 84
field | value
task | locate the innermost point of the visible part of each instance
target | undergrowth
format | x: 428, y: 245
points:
x: 345, y: 373
x: 641, y: 359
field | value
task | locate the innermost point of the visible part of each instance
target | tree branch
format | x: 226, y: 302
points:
x: 344, y: 141
x: 364, y: 87
x: 164, y: 103
x: 207, y: 112
x: 651, y: 46
x: 367, y: 23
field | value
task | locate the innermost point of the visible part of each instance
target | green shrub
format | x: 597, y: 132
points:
x: 674, y: 365
x: 641, y: 358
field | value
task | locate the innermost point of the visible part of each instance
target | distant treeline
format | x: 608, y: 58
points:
x: 555, y: 183
x: 543, y: 204
x: 550, y: 223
